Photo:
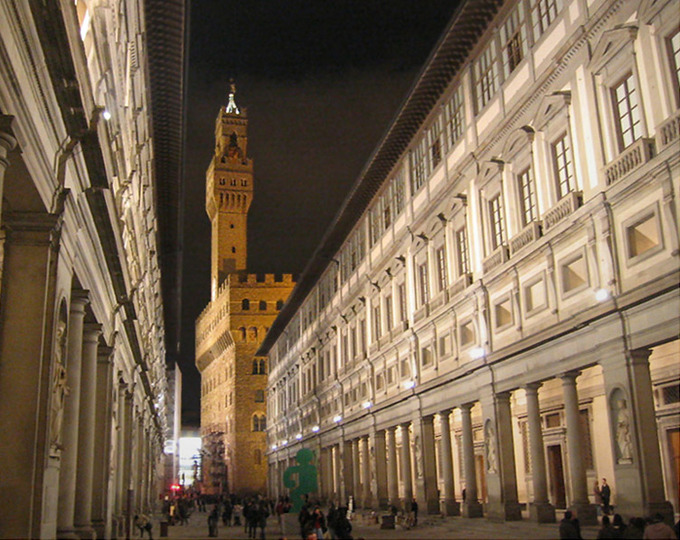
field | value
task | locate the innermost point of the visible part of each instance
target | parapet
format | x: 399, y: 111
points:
x: 262, y: 280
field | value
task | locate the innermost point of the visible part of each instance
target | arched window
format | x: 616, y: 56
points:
x: 255, y: 367
x: 279, y: 304
x: 245, y: 304
x: 256, y: 423
x: 263, y: 305
x: 262, y: 367
x: 259, y: 422
x: 242, y: 330
x: 263, y: 423
x: 252, y: 334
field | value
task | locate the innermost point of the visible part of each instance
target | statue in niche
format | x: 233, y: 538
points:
x: 59, y: 390
x: 418, y: 456
x: 490, y: 446
x: 623, y: 442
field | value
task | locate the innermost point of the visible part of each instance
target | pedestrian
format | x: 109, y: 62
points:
x: 656, y: 529
x: 143, y: 523
x: 343, y: 528
x: 262, y: 516
x: 331, y: 518
x: 319, y: 522
x: 618, y: 525
x: 213, y: 521
x: 606, y: 531
x: 570, y: 527
x: 414, y: 511
x: 597, y: 493
x: 226, y: 513
x: 238, y: 509
x: 606, y: 493
x: 305, y: 521
x: 280, y: 510
x: 635, y: 529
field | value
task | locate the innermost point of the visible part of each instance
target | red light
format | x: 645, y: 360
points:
x: 174, y: 487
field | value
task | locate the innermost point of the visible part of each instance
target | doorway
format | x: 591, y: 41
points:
x: 556, y: 473
x: 481, y: 478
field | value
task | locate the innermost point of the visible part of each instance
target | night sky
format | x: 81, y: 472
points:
x: 322, y: 81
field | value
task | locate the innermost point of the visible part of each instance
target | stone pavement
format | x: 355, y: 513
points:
x: 430, y: 527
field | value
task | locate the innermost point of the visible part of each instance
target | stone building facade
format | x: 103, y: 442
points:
x: 83, y: 390
x: 230, y: 329
x: 495, y: 311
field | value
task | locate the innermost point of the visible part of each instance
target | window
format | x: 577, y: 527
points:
x: 462, y: 252
x: 535, y: 297
x: 440, y: 255
x: 503, y: 313
x: 496, y: 222
x: 627, y: 112
x: 445, y: 345
x: 389, y: 312
x: 255, y: 367
x: 426, y: 357
x: 434, y: 136
x: 525, y: 186
x: 376, y: 322
x: 513, y: 40
x: 674, y: 52
x: 245, y: 304
x: 562, y: 163
x: 259, y: 422
x: 263, y: 305
x: 402, y: 302
x: 423, y: 284
x: 485, y: 74
x: 543, y: 13
x: 259, y: 396
x: 419, y: 165
x: 455, y: 117
x: 467, y: 334
x: 279, y: 305
x: 574, y: 274
x: 643, y: 235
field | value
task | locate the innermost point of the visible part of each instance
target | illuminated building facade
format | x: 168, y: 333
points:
x: 85, y: 187
x: 495, y: 307
x: 230, y: 329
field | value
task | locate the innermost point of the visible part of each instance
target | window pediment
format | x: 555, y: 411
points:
x: 550, y: 106
x: 611, y: 43
x: 519, y: 140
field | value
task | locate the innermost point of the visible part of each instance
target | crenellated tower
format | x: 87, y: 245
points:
x: 229, y: 193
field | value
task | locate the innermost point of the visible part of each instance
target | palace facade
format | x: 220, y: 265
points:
x: 491, y: 323
x: 89, y: 181
x: 230, y: 329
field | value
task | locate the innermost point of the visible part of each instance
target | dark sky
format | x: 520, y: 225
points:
x: 322, y: 80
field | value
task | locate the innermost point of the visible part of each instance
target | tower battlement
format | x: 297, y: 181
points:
x: 262, y: 280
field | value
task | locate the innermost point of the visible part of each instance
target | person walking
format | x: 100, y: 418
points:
x: 319, y: 522
x: 213, y: 522
x: 606, y: 493
x: 570, y: 529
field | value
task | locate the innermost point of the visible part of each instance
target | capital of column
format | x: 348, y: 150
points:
x: 466, y: 408
x: 7, y: 140
x: 79, y: 299
x: 428, y: 420
x: 532, y: 388
x: 446, y: 412
x: 91, y: 332
x: 639, y: 356
x: 503, y: 397
x: 391, y: 429
x: 105, y: 354
x: 569, y: 377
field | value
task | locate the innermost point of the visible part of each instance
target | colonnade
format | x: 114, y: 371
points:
x: 379, y: 464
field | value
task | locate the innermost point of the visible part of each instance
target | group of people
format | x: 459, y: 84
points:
x: 648, y: 529
x: 314, y: 524
x: 254, y: 510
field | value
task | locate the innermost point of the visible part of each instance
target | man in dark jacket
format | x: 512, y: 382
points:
x: 569, y: 527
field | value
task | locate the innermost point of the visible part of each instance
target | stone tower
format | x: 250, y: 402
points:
x: 229, y: 331
x: 229, y: 193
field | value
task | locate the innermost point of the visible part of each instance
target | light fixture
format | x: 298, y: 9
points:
x: 408, y: 384
x: 298, y: 436
x: 106, y: 115
x: 337, y: 418
x: 284, y: 442
x: 477, y: 352
x: 273, y: 447
x: 315, y: 429
x: 367, y: 404
x: 601, y: 295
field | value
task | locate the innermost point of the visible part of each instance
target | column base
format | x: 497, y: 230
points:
x: 433, y: 506
x: 586, y: 513
x: 542, y: 513
x: 450, y: 507
x: 67, y: 534
x: 86, y: 532
x: 473, y: 510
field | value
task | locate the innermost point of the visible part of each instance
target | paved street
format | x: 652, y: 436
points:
x: 430, y: 528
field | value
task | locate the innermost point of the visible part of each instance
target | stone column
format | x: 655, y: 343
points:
x: 506, y: 452
x: 392, y: 477
x: 471, y: 506
x: 637, y: 459
x: 121, y: 457
x: 69, y: 458
x: 86, y: 431
x: 7, y: 144
x: 347, y: 473
x: 337, y: 477
x: 31, y: 383
x: 356, y: 473
x: 451, y: 506
x: 367, y: 498
x: 406, y: 472
x: 381, y: 469
x: 540, y: 509
x: 587, y: 512
x: 426, y: 467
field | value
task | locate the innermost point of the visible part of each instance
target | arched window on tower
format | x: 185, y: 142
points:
x: 262, y: 367
x: 242, y: 330
x: 245, y: 304
x: 263, y: 305
x: 255, y: 367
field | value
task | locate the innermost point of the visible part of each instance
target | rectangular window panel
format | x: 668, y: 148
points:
x: 562, y: 163
x: 485, y: 76
x: 674, y: 50
x: 376, y: 321
x: 455, y: 117
x: 422, y: 283
x: 574, y: 275
x: 525, y: 185
x: 543, y: 13
x: 388, y: 313
x: 627, y: 112
x: 435, y: 141
x: 513, y: 40
x: 441, y: 268
x: 496, y: 221
x: 643, y: 236
x: 462, y: 251
x: 403, y: 313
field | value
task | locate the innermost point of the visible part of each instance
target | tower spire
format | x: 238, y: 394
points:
x: 232, y: 108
